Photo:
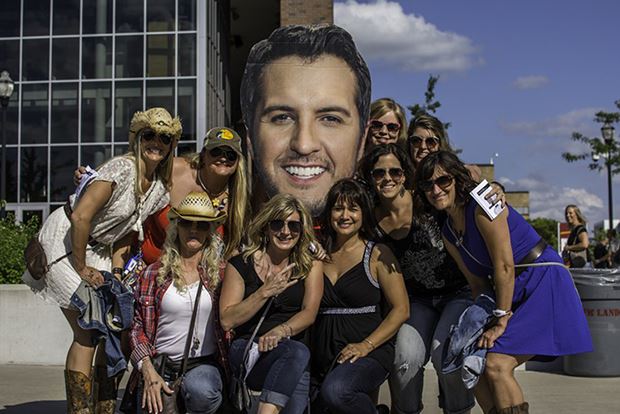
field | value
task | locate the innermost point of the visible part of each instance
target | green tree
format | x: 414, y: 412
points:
x: 431, y: 104
x: 547, y: 229
x: 13, y: 240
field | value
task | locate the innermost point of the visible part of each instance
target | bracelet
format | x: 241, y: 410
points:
x: 369, y: 342
x: 117, y: 271
x: 284, y: 325
x: 499, y: 313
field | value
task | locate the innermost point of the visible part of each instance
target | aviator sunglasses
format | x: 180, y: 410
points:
x: 431, y: 142
x: 217, y: 152
x: 442, y: 182
x: 377, y: 125
x: 395, y: 173
x: 202, y: 225
x: 294, y: 226
x: 149, y: 135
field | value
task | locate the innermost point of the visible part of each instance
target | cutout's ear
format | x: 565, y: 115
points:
x: 362, y: 147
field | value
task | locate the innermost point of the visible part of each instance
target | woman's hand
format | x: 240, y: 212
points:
x: 353, y: 352
x: 271, y: 339
x: 91, y: 276
x: 277, y: 283
x: 319, y: 252
x: 496, y: 193
x: 488, y: 337
x: 77, y: 175
x: 154, y: 384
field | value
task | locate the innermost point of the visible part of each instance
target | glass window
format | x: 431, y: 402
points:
x: 64, y: 120
x: 96, y: 57
x: 120, y: 149
x: 129, y: 56
x: 187, y: 55
x: 96, y: 111
x: 186, y: 147
x: 11, y: 175
x: 36, y: 17
x: 95, y: 155
x: 160, y: 93
x: 34, y: 113
x: 160, y: 55
x: 127, y: 100
x: 12, y: 117
x: 10, y: 57
x: 66, y: 17
x: 160, y: 15
x: 35, y: 59
x: 65, y: 62
x: 129, y: 16
x: 33, y: 176
x: 97, y: 16
x: 63, y: 161
x: 9, y: 18
x: 187, y: 14
x: 187, y: 108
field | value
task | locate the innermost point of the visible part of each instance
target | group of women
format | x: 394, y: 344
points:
x: 305, y: 318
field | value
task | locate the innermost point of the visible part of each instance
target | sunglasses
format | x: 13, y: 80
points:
x: 150, y: 135
x: 442, y: 182
x: 294, y: 226
x: 201, y: 225
x: 377, y: 125
x: 379, y: 173
x: 431, y: 142
x: 217, y: 152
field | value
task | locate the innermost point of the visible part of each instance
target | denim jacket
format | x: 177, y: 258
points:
x: 461, y: 351
x: 106, y: 310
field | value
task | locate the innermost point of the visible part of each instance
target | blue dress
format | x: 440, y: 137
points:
x: 548, y: 318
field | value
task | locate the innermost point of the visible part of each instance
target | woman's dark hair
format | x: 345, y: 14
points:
x: 350, y: 192
x: 367, y: 164
x: 451, y: 164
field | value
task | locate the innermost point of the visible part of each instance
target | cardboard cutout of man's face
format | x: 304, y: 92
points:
x: 306, y: 128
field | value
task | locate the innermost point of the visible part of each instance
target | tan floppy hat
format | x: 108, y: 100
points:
x: 157, y: 119
x: 196, y: 206
x: 222, y: 137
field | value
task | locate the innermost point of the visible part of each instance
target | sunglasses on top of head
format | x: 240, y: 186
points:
x: 150, y: 135
x: 294, y: 226
x: 442, y: 182
x: 380, y: 173
x: 217, y: 152
x: 377, y: 125
x: 431, y: 142
x: 201, y: 225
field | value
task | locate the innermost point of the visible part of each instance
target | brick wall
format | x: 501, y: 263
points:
x: 306, y: 12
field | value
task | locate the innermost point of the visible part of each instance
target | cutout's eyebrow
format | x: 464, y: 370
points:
x: 286, y: 108
x: 338, y: 109
x: 273, y: 108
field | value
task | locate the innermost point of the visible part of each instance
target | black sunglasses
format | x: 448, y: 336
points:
x: 377, y: 125
x: 431, y: 142
x: 294, y: 226
x: 442, y: 182
x: 217, y: 152
x: 379, y: 173
x: 149, y: 135
x: 202, y: 225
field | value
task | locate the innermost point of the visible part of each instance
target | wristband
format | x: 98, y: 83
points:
x: 369, y: 342
x: 117, y: 270
x: 499, y: 313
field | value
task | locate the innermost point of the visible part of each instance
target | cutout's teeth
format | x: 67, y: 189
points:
x: 305, y: 172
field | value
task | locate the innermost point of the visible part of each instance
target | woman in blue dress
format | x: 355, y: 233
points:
x: 539, y: 313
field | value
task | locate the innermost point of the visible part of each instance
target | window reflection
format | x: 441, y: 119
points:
x: 160, y: 15
x: 10, y: 59
x: 127, y: 100
x: 96, y: 111
x: 120, y: 149
x: 184, y: 148
x: 9, y: 18
x: 129, y: 56
x: 11, y: 175
x: 129, y: 16
x: 34, y: 113
x: 187, y: 14
x: 187, y: 55
x: 35, y: 59
x: 97, y: 16
x: 12, y: 117
x: 95, y: 155
x: 64, y: 120
x: 187, y: 108
x: 66, y: 17
x: 160, y: 55
x: 33, y: 176
x: 37, y: 19
x: 63, y: 161
x: 160, y: 93
x: 96, y: 57
x: 65, y: 62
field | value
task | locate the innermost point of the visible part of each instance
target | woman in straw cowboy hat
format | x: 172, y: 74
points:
x: 107, y: 213
x: 165, y: 298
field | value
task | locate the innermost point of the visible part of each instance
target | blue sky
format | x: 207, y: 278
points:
x: 517, y: 77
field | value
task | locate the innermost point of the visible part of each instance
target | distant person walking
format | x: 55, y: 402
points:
x: 575, y: 253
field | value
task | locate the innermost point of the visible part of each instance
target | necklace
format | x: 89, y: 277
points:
x: 218, y: 203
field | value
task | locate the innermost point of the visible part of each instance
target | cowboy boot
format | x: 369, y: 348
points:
x: 523, y: 408
x: 105, y: 390
x: 79, y: 390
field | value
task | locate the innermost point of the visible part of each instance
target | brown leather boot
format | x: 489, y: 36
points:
x: 523, y: 408
x: 105, y: 391
x: 79, y: 390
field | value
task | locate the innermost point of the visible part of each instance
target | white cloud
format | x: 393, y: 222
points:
x: 384, y: 32
x: 530, y: 82
x: 559, y: 126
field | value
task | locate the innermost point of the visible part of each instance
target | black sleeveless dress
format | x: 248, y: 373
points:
x: 350, y: 311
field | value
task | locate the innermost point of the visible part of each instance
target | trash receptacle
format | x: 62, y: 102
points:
x: 599, y: 290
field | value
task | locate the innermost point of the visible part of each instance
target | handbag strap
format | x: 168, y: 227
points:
x: 260, y: 322
x: 191, y: 330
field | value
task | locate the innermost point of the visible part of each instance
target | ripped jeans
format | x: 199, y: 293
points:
x: 421, y: 338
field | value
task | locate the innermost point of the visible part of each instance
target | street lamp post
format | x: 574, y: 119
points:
x: 6, y: 90
x: 607, y: 132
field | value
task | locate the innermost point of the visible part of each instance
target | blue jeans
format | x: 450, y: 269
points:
x: 422, y: 338
x: 281, y: 374
x: 347, y: 387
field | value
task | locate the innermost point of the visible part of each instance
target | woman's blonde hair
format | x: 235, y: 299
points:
x: 279, y: 208
x: 171, y: 257
x: 381, y: 107
x: 238, y: 202
x: 578, y: 213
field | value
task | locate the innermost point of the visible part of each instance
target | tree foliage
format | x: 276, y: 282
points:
x: 547, y: 229
x: 13, y: 240
x: 431, y: 104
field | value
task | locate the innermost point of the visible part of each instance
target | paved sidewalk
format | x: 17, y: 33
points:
x: 26, y: 389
